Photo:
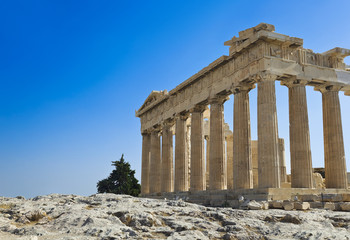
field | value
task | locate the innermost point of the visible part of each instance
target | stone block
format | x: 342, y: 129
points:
x: 310, y: 198
x: 316, y: 204
x: 302, y: 205
x: 264, y: 205
x: 253, y: 205
x: 288, y: 205
x: 345, y: 206
x: 329, y: 206
x: 276, y: 204
x: 285, y: 185
x: 331, y: 197
x: 346, y: 197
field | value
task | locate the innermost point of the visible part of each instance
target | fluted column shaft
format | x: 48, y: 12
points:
x: 181, y: 163
x: 300, y: 151
x: 229, y: 147
x: 146, y: 141
x: 335, y: 165
x: 242, y: 153
x: 167, y: 158
x: 155, y: 164
x: 197, y: 155
x: 268, y: 160
x: 282, y: 159
x: 207, y: 162
x: 216, y: 152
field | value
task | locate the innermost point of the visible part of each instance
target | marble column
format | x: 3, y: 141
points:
x: 216, y: 152
x: 229, y: 147
x: 268, y: 160
x: 207, y: 162
x: 146, y: 141
x: 335, y: 165
x: 167, y: 157
x: 181, y: 164
x: 282, y: 158
x: 300, y: 151
x: 197, y: 156
x: 155, y: 163
x: 242, y: 153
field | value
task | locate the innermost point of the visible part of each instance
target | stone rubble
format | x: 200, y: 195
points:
x: 110, y: 216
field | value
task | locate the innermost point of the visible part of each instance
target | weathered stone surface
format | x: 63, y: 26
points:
x: 288, y: 205
x: 277, y: 204
x: 329, y: 206
x: 110, y: 216
x: 345, y: 206
x: 302, y: 205
x: 253, y: 205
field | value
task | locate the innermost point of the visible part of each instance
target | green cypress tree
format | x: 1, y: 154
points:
x: 121, y: 180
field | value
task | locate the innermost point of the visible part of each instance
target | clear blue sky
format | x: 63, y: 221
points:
x: 72, y: 74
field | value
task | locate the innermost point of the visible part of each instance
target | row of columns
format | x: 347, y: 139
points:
x: 157, y: 172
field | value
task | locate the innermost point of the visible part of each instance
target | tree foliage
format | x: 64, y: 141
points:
x: 121, y: 180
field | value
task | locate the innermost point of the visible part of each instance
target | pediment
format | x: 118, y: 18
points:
x: 153, y: 97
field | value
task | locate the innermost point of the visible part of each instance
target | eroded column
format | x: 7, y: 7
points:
x: 146, y: 143
x: 229, y: 147
x: 167, y: 173
x: 282, y: 159
x: 155, y: 163
x: 242, y: 153
x: 207, y: 161
x: 181, y: 164
x: 268, y: 160
x: 197, y: 146
x: 300, y: 151
x: 216, y: 152
x: 335, y: 165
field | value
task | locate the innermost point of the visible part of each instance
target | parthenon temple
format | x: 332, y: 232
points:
x: 208, y: 159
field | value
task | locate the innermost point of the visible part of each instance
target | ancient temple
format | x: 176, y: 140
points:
x: 209, y: 158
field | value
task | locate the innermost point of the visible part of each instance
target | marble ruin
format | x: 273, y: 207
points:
x: 209, y: 158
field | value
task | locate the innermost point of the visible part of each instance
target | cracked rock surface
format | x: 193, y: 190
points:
x: 110, y: 216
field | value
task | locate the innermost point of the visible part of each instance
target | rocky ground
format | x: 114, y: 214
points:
x: 109, y: 216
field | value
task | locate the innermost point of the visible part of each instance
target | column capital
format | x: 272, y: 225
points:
x: 219, y: 99
x: 293, y: 82
x: 199, y: 108
x: 182, y: 115
x: 146, y: 132
x: 168, y: 122
x: 328, y: 88
x: 264, y: 77
x: 242, y: 87
x: 156, y: 128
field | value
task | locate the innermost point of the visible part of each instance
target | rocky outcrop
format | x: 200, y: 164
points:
x: 110, y: 216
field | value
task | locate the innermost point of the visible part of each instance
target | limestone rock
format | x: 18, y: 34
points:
x: 110, y: 216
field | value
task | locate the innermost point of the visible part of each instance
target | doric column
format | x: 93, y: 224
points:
x: 146, y: 144
x: 229, y: 147
x: 282, y: 158
x: 300, y: 151
x: 206, y: 137
x: 242, y: 153
x: 155, y: 164
x: 181, y: 164
x: 216, y: 152
x: 167, y: 182
x: 335, y: 165
x: 268, y: 159
x: 197, y: 155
